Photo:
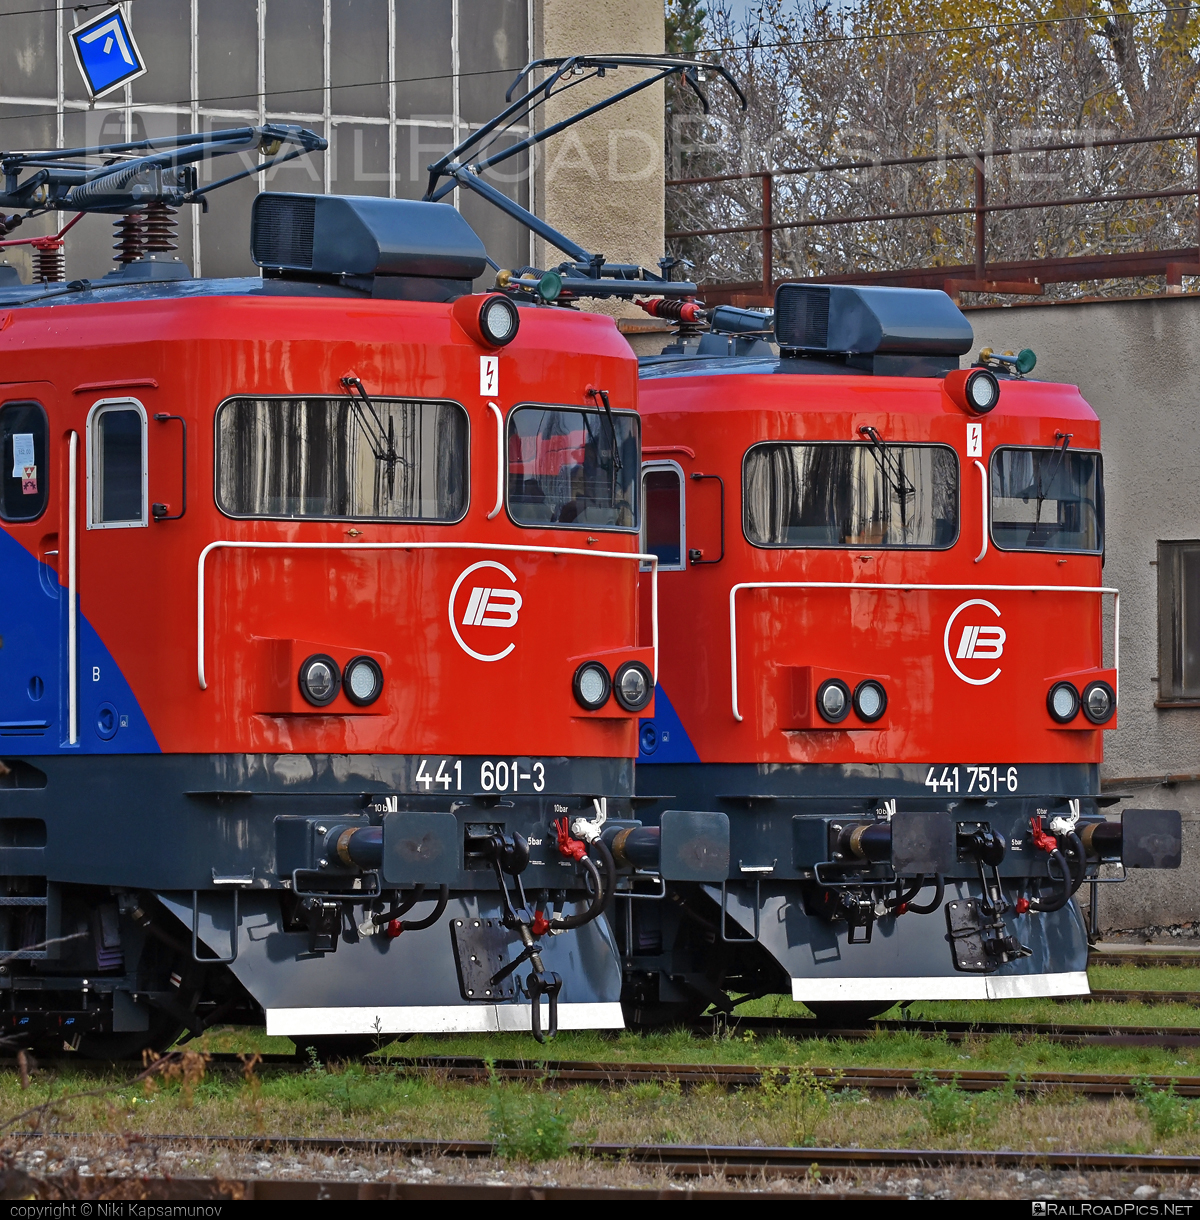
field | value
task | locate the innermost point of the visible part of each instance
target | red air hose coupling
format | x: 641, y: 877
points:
x: 573, y: 849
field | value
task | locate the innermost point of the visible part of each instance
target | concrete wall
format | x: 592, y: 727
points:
x: 1132, y: 361
x: 601, y: 183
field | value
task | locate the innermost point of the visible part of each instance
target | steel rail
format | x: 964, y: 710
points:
x: 302, y: 1190
x: 471, y: 1069
x: 1147, y: 958
x: 874, y: 1079
x: 1135, y: 997
x: 1061, y: 1033
x: 687, y: 1159
x: 518, y: 548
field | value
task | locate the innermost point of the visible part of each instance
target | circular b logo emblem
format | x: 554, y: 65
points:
x: 483, y: 611
x: 971, y: 638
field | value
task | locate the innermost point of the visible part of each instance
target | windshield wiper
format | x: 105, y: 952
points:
x: 894, y: 474
x: 1060, y: 456
x: 601, y: 396
x: 382, y: 443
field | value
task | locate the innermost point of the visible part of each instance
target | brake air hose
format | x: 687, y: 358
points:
x: 609, y: 865
x: 392, y: 925
x: 939, y: 892
x: 1060, y: 900
x: 564, y: 923
x: 1072, y: 878
x: 418, y: 925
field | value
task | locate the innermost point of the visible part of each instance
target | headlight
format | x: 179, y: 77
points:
x: 982, y: 391
x: 870, y: 700
x: 634, y: 686
x: 591, y: 686
x: 498, y: 320
x: 1062, y: 702
x: 1099, y: 702
x: 833, y: 700
x: 362, y: 681
x: 319, y: 679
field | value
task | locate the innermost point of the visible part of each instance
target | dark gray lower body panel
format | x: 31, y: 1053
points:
x: 407, y: 985
x: 908, y: 956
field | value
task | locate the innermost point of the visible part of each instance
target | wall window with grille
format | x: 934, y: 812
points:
x: 1179, y: 624
x: 392, y: 84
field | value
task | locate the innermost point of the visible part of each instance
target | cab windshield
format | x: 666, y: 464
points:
x: 568, y: 467
x: 1047, y: 500
x: 850, y: 495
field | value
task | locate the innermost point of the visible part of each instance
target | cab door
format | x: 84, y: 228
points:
x: 31, y: 670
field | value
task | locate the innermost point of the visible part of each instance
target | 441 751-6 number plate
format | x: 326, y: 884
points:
x: 982, y: 780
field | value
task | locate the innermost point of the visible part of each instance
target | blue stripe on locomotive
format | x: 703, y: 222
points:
x: 663, y: 739
x: 33, y: 670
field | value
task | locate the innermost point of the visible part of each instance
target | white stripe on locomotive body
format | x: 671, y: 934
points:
x: 436, y: 1019
x: 942, y: 987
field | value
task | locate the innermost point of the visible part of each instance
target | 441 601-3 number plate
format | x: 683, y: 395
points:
x: 983, y: 780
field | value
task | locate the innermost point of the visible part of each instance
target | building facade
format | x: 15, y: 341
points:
x: 392, y: 84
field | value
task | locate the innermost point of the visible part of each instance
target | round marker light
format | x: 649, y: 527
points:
x: 1062, y: 702
x: 870, y: 700
x: 982, y: 391
x: 591, y: 686
x: 319, y: 679
x: 498, y: 321
x: 1099, y: 702
x: 634, y: 686
x: 833, y: 700
x: 362, y: 681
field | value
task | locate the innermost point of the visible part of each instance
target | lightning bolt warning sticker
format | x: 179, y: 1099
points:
x: 489, y: 375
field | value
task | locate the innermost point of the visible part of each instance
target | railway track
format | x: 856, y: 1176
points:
x: 1191, y: 998
x: 873, y: 1079
x: 1150, y: 958
x: 686, y: 1159
x: 963, y: 1031
x: 866, y: 1079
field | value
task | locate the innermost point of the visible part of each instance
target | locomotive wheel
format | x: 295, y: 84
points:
x: 847, y: 1014
x: 662, y: 1015
x: 340, y: 1046
x: 163, y: 1033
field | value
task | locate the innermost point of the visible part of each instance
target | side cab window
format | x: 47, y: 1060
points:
x: 116, y: 474
x: 663, y: 517
x: 25, y: 474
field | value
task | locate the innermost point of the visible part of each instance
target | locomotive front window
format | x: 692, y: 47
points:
x: 1047, y: 500
x: 341, y: 458
x: 117, y: 465
x: 850, y: 495
x: 663, y: 515
x: 24, y: 475
x: 568, y: 467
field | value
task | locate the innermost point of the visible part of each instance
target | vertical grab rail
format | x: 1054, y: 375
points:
x: 499, y: 460
x: 986, y: 521
x: 72, y: 593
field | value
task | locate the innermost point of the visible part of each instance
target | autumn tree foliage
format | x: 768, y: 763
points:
x: 910, y: 78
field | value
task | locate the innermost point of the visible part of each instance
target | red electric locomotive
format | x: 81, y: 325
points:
x: 311, y: 582
x: 883, y: 658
